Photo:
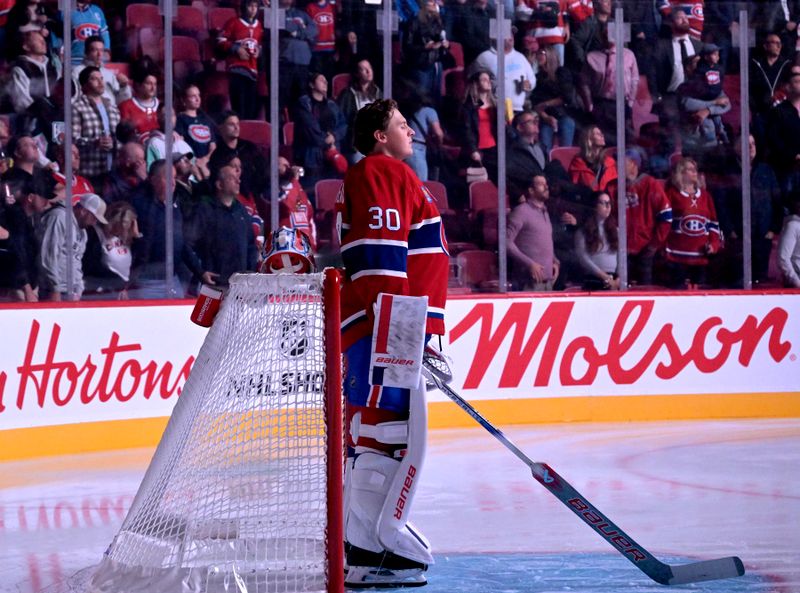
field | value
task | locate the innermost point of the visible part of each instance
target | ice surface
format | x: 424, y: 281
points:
x: 686, y: 491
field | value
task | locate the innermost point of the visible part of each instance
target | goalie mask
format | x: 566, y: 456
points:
x: 289, y: 253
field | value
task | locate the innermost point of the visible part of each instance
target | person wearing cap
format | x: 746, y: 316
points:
x: 55, y: 253
x: 703, y: 100
x: 648, y: 216
x: 156, y: 146
x: 94, y: 122
x: 23, y: 218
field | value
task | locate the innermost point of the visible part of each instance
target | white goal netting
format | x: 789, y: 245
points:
x: 236, y: 496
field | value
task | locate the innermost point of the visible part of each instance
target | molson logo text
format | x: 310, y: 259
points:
x: 624, y: 342
x: 114, y: 374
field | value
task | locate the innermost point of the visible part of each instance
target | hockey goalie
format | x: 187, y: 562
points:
x: 396, y: 265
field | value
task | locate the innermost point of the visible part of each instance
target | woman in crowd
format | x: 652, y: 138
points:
x: 108, y: 257
x: 428, y: 133
x: 197, y: 129
x: 593, y: 167
x: 361, y: 91
x: 479, y: 117
x: 425, y: 47
x: 596, y: 245
x: 552, y: 98
x: 319, y: 129
x: 694, y: 235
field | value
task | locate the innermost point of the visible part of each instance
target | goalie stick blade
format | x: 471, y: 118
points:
x: 707, y: 570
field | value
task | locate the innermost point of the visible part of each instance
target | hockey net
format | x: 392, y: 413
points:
x: 244, y: 491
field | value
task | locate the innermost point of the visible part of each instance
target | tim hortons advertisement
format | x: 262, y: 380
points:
x: 70, y: 365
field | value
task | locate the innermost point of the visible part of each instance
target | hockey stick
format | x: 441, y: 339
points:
x: 437, y: 370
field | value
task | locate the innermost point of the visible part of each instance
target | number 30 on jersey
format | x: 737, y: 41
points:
x: 388, y: 218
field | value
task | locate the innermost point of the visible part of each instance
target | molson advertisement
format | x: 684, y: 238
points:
x: 94, y: 377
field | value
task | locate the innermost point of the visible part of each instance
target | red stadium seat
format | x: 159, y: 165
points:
x: 256, y: 131
x: 217, y: 17
x: 326, y: 191
x: 477, y: 269
x: 338, y: 84
x: 642, y: 106
x: 191, y: 21
x: 142, y: 16
x: 184, y: 49
x: 439, y: 192
x: 482, y: 195
x: 288, y: 133
x: 457, y: 51
x: 454, y: 84
x: 564, y: 155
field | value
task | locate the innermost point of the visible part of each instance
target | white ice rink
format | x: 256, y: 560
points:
x: 684, y: 490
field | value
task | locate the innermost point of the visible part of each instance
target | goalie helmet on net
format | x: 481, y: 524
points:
x: 289, y: 253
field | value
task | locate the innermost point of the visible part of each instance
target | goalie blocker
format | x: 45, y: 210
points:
x: 387, y: 436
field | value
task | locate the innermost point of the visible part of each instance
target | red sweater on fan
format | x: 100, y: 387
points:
x: 237, y: 33
x: 648, y: 214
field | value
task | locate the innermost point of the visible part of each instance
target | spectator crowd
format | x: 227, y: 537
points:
x: 682, y: 169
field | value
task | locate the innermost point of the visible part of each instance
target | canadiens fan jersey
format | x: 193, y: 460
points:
x: 322, y: 13
x: 392, y: 241
x: 648, y: 214
x: 694, y: 226
x: 239, y: 33
x: 143, y: 118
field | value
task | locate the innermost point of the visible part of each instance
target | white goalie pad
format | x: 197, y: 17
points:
x: 379, y: 492
x: 398, y: 340
x: 395, y: 532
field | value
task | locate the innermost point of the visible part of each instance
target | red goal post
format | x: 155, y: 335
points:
x: 244, y: 492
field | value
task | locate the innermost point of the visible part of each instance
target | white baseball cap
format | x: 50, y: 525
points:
x: 94, y: 204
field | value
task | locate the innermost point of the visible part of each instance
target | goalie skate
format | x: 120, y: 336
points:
x: 381, y: 570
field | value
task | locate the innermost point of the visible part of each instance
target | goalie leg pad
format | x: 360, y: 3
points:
x: 379, y: 489
x: 395, y: 532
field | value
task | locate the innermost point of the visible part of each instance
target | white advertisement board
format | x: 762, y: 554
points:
x: 88, y: 364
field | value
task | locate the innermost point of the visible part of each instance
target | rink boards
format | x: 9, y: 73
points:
x: 100, y: 377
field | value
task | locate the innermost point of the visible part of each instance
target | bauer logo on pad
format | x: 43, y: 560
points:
x: 398, y: 340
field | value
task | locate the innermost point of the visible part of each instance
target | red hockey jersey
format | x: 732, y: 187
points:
x: 392, y: 241
x: 144, y: 119
x: 80, y: 185
x: 324, y: 15
x: 648, y: 214
x: 237, y: 33
x: 694, y: 227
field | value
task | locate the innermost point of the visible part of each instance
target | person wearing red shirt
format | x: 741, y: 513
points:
x: 141, y: 110
x: 695, y: 234
x: 592, y: 167
x: 648, y: 216
x: 323, y: 13
x: 392, y: 243
x: 240, y: 41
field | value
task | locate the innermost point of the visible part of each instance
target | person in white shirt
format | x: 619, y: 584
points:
x: 117, y: 88
x: 520, y: 78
